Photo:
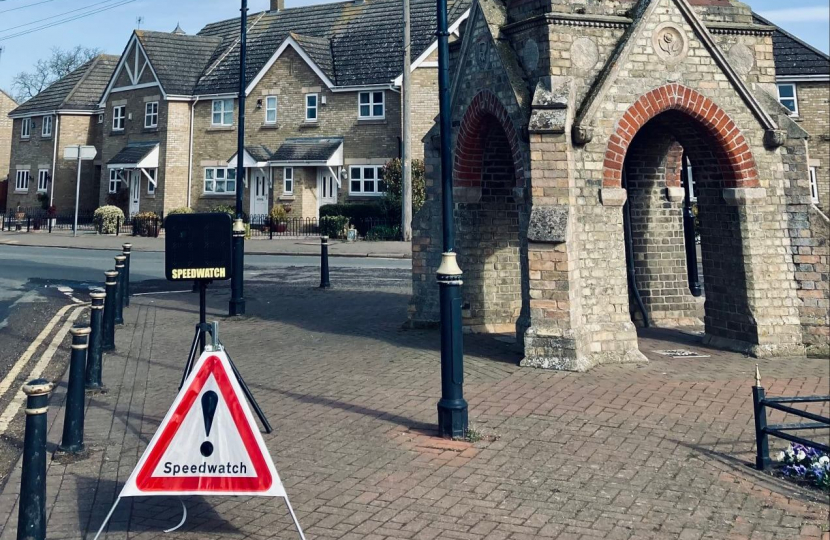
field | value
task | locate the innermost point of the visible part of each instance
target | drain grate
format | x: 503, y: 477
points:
x: 682, y: 353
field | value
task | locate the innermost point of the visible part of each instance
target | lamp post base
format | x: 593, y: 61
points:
x: 236, y: 307
x: 452, y: 418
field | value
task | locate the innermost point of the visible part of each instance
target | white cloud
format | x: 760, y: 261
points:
x: 798, y: 15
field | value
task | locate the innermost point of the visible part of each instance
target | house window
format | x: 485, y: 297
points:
x: 271, y: 110
x: 813, y: 185
x: 220, y: 180
x: 151, y: 114
x: 371, y: 105
x: 222, y: 112
x: 288, y: 181
x: 311, y: 107
x: 25, y: 128
x: 115, y: 180
x: 118, y: 116
x: 788, y: 98
x: 151, y: 184
x: 367, y: 180
x: 42, y: 180
x: 22, y: 181
x: 46, y: 128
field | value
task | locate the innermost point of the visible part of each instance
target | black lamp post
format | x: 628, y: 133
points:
x: 452, y: 408
x: 237, y: 302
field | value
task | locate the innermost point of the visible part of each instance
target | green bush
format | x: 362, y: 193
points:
x: 278, y: 213
x: 180, y: 210
x: 383, y: 232
x: 393, y: 176
x: 370, y: 210
x: 333, y: 226
x: 107, y: 218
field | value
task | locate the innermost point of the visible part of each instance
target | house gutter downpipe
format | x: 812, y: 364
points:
x: 237, y: 303
x: 452, y: 408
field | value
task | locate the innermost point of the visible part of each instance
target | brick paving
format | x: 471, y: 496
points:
x: 656, y: 451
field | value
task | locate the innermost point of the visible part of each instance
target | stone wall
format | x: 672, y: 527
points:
x: 812, y: 262
x: 7, y: 104
x: 814, y: 117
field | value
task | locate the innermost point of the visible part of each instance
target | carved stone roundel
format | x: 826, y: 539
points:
x: 670, y: 43
x: 584, y: 54
x: 530, y: 55
x: 741, y: 58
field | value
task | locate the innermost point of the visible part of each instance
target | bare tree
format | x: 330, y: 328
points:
x: 60, y: 63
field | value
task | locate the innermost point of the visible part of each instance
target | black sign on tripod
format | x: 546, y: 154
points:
x: 197, y: 248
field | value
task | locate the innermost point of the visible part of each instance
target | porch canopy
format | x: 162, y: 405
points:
x: 310, y: 152
x: 252, y: 157
x: 141, y: 155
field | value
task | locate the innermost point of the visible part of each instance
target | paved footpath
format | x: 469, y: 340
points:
x: 308, y: 245
x: 656, y: 451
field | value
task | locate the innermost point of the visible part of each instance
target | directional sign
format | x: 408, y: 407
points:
x: 209, y: 443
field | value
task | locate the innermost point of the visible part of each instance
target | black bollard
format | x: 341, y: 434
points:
x: 127, y: 248
x: 108, y: 325
x: 324, y: 263
x: 762, y: 460
x: 93, y: 357
x: 72, y: 441
x: 119, y: 289
x: 31, y: 517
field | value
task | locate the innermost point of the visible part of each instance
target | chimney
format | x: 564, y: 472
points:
x: 277, y: 5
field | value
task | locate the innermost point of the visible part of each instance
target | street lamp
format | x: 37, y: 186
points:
x: 237, y: 302
x: 452, y: 409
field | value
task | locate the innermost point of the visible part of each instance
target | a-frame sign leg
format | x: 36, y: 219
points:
x: 294, y: 517
x: 107, y: 519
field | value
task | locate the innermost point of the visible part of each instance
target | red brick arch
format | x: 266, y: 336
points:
x: 730, y: 146
x: 484, y: 110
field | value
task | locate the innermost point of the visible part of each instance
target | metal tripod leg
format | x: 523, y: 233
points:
x: 250, y: 396
x: 192, y: 358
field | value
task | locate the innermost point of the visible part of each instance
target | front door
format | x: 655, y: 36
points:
x: 259, y: 193
x: 326, y: 187
x: 135, y: 191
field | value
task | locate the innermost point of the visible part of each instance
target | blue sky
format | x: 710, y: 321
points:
x: 110, y: 29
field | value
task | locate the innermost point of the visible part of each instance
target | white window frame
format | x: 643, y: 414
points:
x: 42, y: 180
x: 371, y: 104
x: 215, y: 173
x: 794, y: 98
x: 378, y: 169
x: 315, y: 107
x: 46, y: 122
x: 288, y: 179
x: 119, y: 117
x: 21, y: 181
x: 269, y: 108
x: 154, y: 174
x: 114, y: 181
x: 222, y: 112
x: 26, y: 128
x: 814, y: 185
x: 151, y: 114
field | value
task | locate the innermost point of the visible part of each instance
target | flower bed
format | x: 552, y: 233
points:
x: 806, y: 465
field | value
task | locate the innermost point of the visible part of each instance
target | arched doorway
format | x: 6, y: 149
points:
x: 642, y: 157
x: 489, y: 217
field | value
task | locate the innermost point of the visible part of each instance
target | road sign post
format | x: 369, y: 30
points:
x: 81, y: 153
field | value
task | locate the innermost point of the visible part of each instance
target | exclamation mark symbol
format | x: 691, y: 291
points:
x: 209, y: 402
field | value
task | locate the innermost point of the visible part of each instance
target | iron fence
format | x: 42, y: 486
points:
x: 27, y: 220
x: 784, y: 431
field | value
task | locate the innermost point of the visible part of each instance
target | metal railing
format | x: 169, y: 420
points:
x: 783, y: 431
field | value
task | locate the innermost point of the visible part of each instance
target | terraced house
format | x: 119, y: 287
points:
x: 323, y: 108
x: 63, y: 114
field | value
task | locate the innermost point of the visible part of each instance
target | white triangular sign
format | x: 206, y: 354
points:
x: 209, y: 443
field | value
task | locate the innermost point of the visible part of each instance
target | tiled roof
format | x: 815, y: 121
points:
x: 794, y: 57
x: 133, y: 153
x: 365, y: 40
x: 308, y: 149
x: 258, y: 152
x: 80, y: 90
x: 178, y: 59
x: 319, y: 50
